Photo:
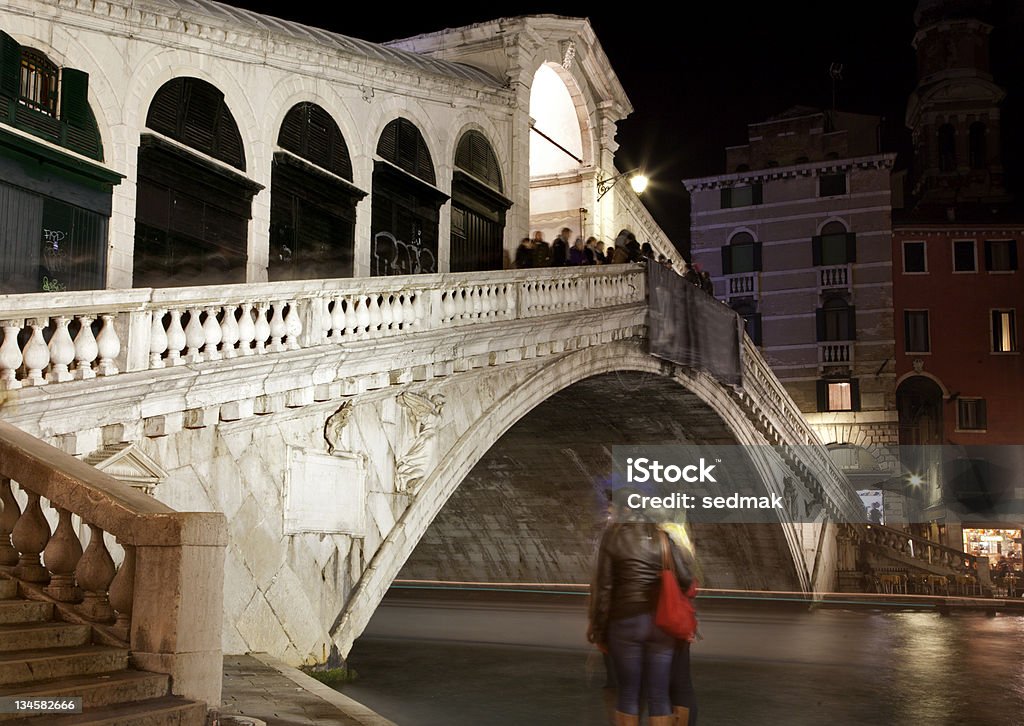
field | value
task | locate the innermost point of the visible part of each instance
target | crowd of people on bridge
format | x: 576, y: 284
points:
x: 535, y: 251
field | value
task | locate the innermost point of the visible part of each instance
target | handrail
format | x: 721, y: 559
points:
x: 169, y: 557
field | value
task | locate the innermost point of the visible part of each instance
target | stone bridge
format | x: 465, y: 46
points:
x: 331, y: 420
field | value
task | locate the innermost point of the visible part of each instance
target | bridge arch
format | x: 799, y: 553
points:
x: 502, y: 414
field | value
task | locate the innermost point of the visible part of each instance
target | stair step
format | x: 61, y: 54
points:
x: 30, y: 666
x: 30, y: 636
x: 8, y: 589
x: 24, y: 611
x: 103, y: 689
x: 166, y: 711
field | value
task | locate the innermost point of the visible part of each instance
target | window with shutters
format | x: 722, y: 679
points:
x: 834, y: 246
x: 971, y: 414
x: 1001, y: 255
x: 403, y: 145
x: 478, y: 207
x: 742, y: 255
x: 831, y: 185
x: 836, y: 321
x: 916, y: 338
x: 838, y: 395
x: 741, y: 196
x: 194, y: 113
x: 1004, y: 331
x: 45, y: 100
x: 308, y: 131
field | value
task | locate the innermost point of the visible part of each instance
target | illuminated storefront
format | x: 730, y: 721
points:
x: 996, y: 544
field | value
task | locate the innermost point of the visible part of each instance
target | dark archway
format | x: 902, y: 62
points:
x: 533, y: 508
x: 192, y: 211
x: 478, y: 207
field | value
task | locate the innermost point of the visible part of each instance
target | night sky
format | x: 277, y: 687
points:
x: 695, y: 85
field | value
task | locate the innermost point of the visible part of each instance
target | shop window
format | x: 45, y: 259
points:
x: 965, y: 256
x: 1004, y: 331
x: 915, y: 331
x: 743, y: 196
x: 914, y: 258
x: 834, y: 246
x: 742, y: 255
x: 838, y: 395
x: 831, y: 185
x: 1001, y: 255
x: 478, y: 207
x: 971, y: 414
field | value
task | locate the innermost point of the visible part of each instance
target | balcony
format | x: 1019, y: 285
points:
x: 836, y: 277
x: 835, y: 354
x: 744, y: 284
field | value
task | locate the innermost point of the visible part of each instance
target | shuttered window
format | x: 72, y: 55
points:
x: 194, y: 113
x: 475, y: 156
x: 478, y: 207
x: 309, y: 131
x: 402, y: 144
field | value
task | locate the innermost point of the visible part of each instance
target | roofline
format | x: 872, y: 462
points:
x: 885, y: 159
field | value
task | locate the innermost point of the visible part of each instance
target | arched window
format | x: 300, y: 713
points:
x: 312, y: 201
x: 406, y: 204
x: 192, y: 214
x: 836, y: 320
x: 742, y: 255
x: 478, y: 206
x: 978, y: 146
x: 834, y: 246
x: 54, y: 207
x: 947, y: 148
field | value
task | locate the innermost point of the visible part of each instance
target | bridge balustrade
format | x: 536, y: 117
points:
x: 54, y: 338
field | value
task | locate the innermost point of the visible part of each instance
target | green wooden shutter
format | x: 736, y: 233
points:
x: 854, y: 395
x: 1013, y: 254
x: 757, y: 257
x: 726, y: 197
x: 816, y: 250
x: 822, y: 390
x: 74, y: 97
x: 851, y: 246
x: 10, y: 66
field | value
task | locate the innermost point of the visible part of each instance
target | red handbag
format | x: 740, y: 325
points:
x: 675, y: 614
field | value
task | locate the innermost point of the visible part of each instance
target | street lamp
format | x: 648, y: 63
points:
x: 637, y: 181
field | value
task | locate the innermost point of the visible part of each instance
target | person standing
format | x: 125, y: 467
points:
x: 578, y: 253
x: 624, y: 601
x: 541, y: 250
x: 560, y: 248
x: 525, y: 254
x: 681, y: 693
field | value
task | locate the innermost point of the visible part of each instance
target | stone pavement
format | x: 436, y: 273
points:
x: 261, y: 690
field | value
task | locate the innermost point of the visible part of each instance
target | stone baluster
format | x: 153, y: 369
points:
x: 213, y: 334
x: 246, y: 330
x: 460, y: 304
x: 494, y: 300
x: 29, y: 537
x: 62, y: 352
x: 387, y: 317
x: 448, y: 306
x: 36, y: 355
x: 477, y: 310
x: 157, y: 339
x: 109, y: 347
x: 86, y: 349
x: 375, y: 319
x: 409, y: 315
x: 230, y: 334
x: 61, y: 556
x: 397, y: 312
x: 351, y: 318
x: 510, y: 301
x: 10, y: 355
x: 94, y: 572
x: 175, y: 339
x: 293, y: 325
x: 9, y: 514
x: 122, y: 592
x: 262, y: 327
x: 338, y: 319
x: 278, y: 329
x: 194, y: 337
x: 362, y: 315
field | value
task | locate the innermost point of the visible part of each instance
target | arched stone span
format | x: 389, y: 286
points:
x: 474, y: 437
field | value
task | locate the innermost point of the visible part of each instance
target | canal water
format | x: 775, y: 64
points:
x: 457, y: 663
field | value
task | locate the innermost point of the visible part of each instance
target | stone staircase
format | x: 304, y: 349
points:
x: 42, y: 657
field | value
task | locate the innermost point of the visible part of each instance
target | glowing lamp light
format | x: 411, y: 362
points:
x: 916, y: 480
x: 639, y: 183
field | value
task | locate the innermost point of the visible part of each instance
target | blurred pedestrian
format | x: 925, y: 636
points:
x: 525, y: 254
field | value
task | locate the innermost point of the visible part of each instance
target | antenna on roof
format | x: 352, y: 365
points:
x: 836, y: 71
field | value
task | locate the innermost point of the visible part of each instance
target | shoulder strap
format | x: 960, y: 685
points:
x: 666, y: 556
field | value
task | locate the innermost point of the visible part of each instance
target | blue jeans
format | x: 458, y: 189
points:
x: 642, y: 655
x: 681, y: 686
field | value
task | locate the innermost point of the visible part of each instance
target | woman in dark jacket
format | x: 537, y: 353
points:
x: 623, y: 604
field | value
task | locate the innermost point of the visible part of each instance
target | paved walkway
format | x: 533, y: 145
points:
x: 261, y: 690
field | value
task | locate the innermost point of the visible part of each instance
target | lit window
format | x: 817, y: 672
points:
x: 970, y: 414
x: 1004, y: 331
x: 839, y: 396
x: 914, y: 259
x: 965, y: 258
x: 915, y: 331
x: 37, y: 86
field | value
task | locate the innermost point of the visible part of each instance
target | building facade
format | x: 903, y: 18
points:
x: 797, y: 237
x: 167, y: 143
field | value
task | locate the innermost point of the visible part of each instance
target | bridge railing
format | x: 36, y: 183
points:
x: 56, y: 337
x: 771, y: 399
x: 165, y: 600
